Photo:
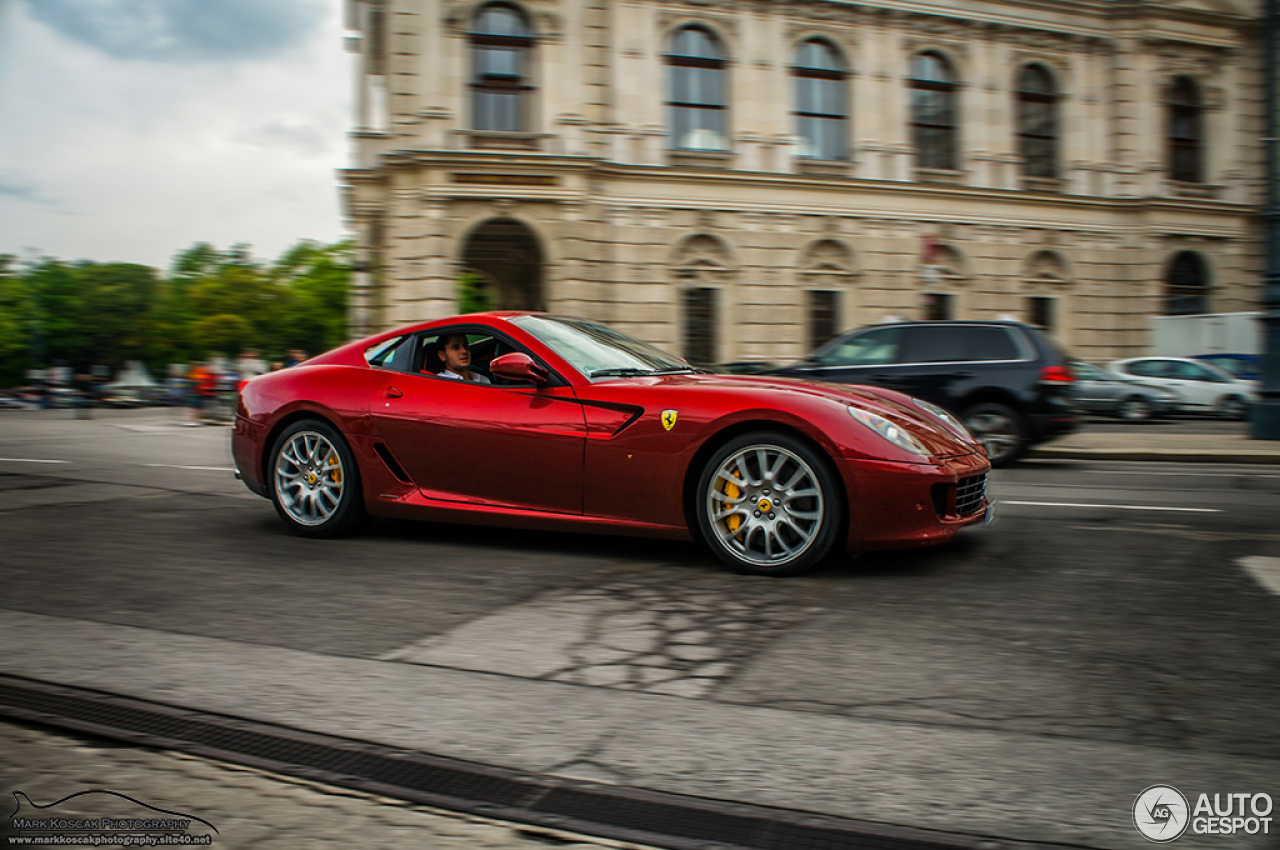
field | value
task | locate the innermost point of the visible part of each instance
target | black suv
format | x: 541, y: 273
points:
x: 1005, y: 380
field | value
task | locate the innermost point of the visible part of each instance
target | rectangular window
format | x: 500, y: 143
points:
x: 824, y: 316
x: 700, y: 326
x: 937, y: 306
x: 1040, y: 312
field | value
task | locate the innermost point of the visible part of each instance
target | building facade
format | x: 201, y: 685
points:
x: 741, y: 179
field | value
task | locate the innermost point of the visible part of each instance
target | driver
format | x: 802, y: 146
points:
x: 456, y: 354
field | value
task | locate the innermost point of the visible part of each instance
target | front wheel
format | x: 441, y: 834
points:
x: 1001, y: 430
x: 768, y: 504
x: 1135, y: 409
x: 315, y: 484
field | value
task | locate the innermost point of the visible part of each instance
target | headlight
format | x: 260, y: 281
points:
x: 890, y: 431
x: 956, y: 426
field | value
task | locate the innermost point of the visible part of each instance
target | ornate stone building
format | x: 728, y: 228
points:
x: 739, y: 179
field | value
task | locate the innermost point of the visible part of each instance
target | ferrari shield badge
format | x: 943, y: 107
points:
x: 669, y: 418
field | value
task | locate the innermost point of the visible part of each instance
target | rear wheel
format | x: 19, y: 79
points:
x: 1134, y: 409
x: 1001, y: 430
x: 768, y: 504
x: 315, y: 484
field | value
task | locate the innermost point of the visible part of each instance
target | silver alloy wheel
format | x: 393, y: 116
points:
x: 1135, y: 409
x: 309, y: 478
x: 765, y: 505
x: 997, y: 432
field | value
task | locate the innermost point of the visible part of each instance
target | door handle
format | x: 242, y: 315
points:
x: 394, y: 392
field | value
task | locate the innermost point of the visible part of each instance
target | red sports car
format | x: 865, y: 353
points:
x: 552, y: 422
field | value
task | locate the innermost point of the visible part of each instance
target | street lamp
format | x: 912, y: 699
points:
x: 1266, y: 413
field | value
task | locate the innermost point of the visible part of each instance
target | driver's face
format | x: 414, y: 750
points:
x: 457, y: 354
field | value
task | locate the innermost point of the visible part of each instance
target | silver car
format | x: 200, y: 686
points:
x: 1098, y: 390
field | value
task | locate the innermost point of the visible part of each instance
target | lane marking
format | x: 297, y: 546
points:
x: 1180, y: 474
x: 181, y: 466
x: 30, y: 460
x: 1115, y: 507
x: 1266, y: 571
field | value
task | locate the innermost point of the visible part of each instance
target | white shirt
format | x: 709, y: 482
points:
x: 476, y: 377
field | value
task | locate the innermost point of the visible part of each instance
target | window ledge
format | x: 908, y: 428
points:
x: 940, y: 175
x: 495, y: 139
x: 824, y: 167
x: 701, y: 159
x: 1043, y: 184
x: 1184, y: 189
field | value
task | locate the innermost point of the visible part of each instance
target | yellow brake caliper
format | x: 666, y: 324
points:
x: 732, y: 491
x: 336, y: 475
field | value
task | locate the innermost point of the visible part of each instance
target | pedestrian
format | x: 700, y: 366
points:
x: 84, y: 396
x: 250, y: 364
x: 204, y: 386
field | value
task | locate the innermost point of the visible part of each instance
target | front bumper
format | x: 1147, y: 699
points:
x: 898, y: 505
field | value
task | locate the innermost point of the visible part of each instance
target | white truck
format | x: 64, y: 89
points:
x: 1207, y: 333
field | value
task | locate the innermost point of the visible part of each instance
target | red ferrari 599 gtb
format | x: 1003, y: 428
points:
x: 581, y: 427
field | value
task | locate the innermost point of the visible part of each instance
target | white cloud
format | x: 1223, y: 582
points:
x: 110, y: 158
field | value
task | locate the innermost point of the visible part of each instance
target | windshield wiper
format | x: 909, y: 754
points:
x: 680, y: 370
x: 627, y: 372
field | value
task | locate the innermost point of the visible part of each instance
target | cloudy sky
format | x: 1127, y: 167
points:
x: 131, y: 129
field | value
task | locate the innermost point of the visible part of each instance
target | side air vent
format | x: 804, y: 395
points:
x: 393, y: 465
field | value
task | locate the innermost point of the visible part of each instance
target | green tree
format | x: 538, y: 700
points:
x: 473, y: 294
x: 221, y: 334
x: 15, y: 323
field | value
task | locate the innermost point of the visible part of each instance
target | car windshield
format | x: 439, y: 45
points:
x: 597, y: 351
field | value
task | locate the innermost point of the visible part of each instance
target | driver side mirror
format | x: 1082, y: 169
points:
x: 518, y: 366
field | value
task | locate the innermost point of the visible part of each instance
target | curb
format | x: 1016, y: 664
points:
x: 1245, y: 456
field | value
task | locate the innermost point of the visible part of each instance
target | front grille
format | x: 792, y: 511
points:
x: 969, y: 494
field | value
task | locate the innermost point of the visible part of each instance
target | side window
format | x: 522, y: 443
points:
x: 991, y: 344
x: 870, y: 348
x: 1150, y: 369
x: 1086, y: 372
x: 1196, y: 372
x: 430, y: 359
x: 382, y: 355
x: 484, y: 348
x: 960, y: 344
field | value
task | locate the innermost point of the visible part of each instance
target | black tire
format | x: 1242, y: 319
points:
x: 1135, y: 409
x: 1233, y: 407
x: 314, y: 481
x: 1002, y: 431
x: 782, y: 512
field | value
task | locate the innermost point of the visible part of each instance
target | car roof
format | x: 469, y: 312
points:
x: 1009, y: 323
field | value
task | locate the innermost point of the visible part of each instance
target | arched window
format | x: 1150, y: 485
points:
x: 500, y: 49
x: 1037, y: 122
x: 820, y: 101
x: 1186, y: 131
x: 695, y: 91
x: 933, y: 111
x: 1186, y: 285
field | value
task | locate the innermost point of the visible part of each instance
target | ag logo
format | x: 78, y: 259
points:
x: 1160, y: 813
x: 669, y: 418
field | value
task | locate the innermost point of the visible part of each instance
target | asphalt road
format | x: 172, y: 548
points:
x: 1111, y: 602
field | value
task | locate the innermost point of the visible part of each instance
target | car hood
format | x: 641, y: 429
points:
x: 936, y: 437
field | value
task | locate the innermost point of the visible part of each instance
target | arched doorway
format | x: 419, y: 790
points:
x: 507, y: 256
